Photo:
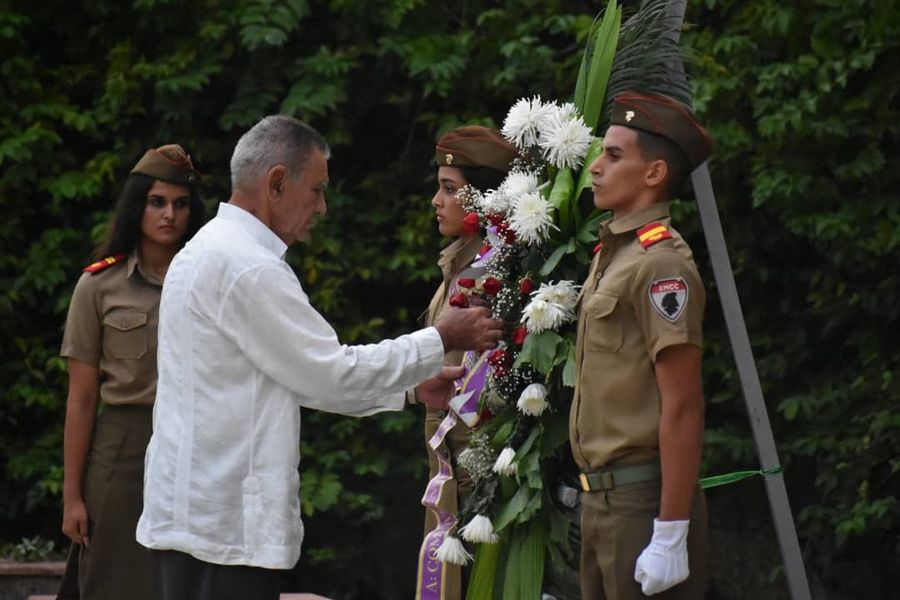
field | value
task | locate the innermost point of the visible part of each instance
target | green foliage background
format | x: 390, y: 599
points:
x: 801, y: 98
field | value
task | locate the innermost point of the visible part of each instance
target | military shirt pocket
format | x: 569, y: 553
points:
x: 604, y: 328
x: 125, y: 334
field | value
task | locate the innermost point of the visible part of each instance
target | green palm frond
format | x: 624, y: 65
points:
x: 648, y: 56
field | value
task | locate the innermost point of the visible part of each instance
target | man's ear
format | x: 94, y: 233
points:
x: 657, y: 173
x: 275, y: 180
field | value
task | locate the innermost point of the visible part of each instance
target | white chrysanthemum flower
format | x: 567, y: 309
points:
x: 563, y: 293
x: 505, y: 463
x: 479, y: 530
x: 519, y: 183
x: 566, y: 112
x: 533, y: 400
x: 495, y: 202
x: 531, y: 218
x: 525, y: 119
x: 452, y: 551
x: 540, y: 315
x: 564, y: 141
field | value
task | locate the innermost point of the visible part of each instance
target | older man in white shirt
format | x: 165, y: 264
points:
x: 240, y: 351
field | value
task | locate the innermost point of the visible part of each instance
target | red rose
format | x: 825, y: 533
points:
x: 520, y: 334
x: 491, y: 286
x: 495, y: 219
x: 526, y: 286
x: 466, y: 282
x: 459, y: 300
x: 498, y: 358
x: 470, y: 223
x: 510, y: 236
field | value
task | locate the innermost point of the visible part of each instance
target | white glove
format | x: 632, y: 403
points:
x: 664, y: 562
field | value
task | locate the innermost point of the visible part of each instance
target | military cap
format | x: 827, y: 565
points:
x: 475, y: 146
x: 168, y: 163
x: 666, y: 117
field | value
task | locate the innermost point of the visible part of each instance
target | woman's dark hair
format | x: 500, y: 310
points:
x: 483, y: 178
x: 125, y: 230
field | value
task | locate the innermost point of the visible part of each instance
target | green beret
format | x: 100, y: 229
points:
x: 475, y: 146
x: 168, y: 163
x: 666, y: 117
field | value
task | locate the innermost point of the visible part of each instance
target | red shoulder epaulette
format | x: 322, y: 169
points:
x: 652, y: 233
x: 104, y: 264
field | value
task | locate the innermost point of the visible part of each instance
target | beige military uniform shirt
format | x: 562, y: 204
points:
x: 454, y: 259
x: 636, y: 301
x: 112, y: 323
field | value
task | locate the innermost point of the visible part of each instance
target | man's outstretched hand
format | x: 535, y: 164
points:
x: 469, y: 329
x: 437, y: 391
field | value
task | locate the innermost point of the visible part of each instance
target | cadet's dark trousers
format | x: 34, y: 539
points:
x: 180, y: 576
x: 616, y: 526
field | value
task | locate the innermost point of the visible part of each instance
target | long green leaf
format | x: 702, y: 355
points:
x: 561, y: 197
x: 529, y: 441
x: 584, y: 178
x: 588, y: 231
x: 569, y: 371
x: 601, y: 64
x: 552, y: 261
x: 511, y: 509
x: 484, y: 572
x: 581, y: 81
x: 531, y: 559
x: 513, y: 568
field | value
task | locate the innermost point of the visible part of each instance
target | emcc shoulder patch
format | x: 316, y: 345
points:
x: 669, y: 296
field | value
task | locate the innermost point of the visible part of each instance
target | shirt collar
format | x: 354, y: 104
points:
x: 256, y: 228
x: 654, y: 212
x: 462, y: 251
x: 134, y: 263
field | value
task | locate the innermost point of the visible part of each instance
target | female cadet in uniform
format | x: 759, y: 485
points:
x: 467, y: 156
x: 110, y: 342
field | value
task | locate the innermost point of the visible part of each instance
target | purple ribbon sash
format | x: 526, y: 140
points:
x: 431, y: 575
x: 432, y: 572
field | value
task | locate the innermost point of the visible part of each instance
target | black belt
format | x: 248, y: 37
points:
x: 607, y: 479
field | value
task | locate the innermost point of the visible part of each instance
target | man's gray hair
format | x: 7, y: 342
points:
x: 274, y: 140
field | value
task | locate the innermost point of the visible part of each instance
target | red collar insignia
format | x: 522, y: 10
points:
x: 104, y: 264
x: 653, y: 233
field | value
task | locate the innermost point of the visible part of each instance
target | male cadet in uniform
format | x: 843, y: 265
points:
x: 637, y: 417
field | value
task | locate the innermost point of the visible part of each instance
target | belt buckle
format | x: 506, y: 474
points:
x: 585, y: 484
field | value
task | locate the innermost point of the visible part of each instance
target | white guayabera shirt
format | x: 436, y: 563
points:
x: 240, y: 351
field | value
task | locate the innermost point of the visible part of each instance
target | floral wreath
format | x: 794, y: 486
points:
x: 539, y: 235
